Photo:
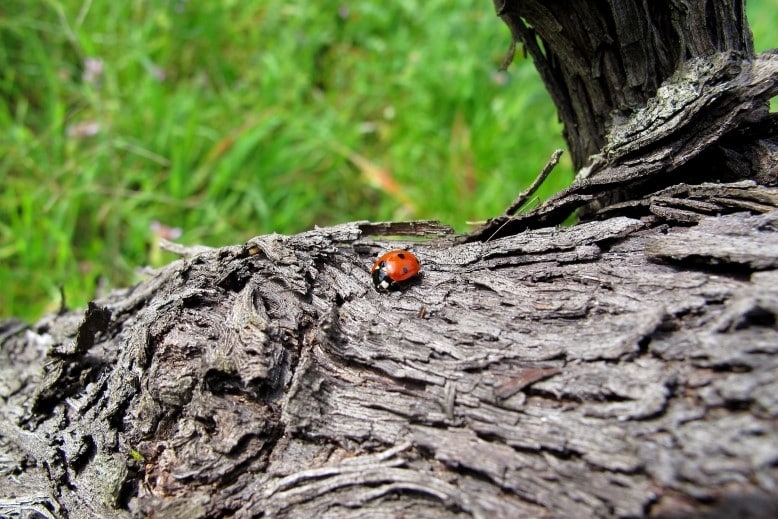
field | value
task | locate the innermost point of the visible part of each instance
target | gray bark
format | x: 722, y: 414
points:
x: 608, y: 369
x: 620, y: 368
x: 707, y: 129
x: 601, y: 61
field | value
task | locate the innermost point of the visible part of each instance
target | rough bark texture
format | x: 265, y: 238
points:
x: 623, y: 367
x: 609, y: 369
x: 651, y: 94
x: 600, y: 61
x: 705, y: 129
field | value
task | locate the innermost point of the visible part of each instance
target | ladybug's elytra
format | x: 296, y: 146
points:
x: 394, y: 267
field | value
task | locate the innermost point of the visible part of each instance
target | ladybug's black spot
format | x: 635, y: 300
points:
x: 401, y: 255
x: 405, y: 270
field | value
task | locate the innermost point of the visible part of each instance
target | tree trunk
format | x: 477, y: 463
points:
x: 652, y: 95
x: 623, y: 367
x: 601, y: 61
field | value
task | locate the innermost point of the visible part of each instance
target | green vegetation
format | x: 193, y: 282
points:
x: 231, y: 119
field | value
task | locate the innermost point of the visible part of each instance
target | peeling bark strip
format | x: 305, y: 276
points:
x: 708, y: 123
x: 575, y: 372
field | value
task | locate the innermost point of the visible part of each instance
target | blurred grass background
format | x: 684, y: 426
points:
x: 212, y: 122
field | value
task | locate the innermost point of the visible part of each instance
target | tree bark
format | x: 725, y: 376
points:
x: 608, y: 369
x: 707, y: 126
x: 651, y: 94
x: 601, y: 61
x: 623, y: 367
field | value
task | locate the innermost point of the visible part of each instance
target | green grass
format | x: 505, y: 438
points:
x: 231, y: 119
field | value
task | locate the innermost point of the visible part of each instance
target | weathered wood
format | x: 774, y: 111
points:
x: 600, y: 370
x: 601, y: 61
x: 700, y: 124
x: 703, y: 243
x: 620, y: 367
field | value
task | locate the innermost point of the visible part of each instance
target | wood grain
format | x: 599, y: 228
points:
x: 601, y: 370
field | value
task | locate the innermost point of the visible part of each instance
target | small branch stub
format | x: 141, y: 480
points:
x: 542, y: 176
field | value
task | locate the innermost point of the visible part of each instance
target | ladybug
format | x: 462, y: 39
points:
x: 393, y: 268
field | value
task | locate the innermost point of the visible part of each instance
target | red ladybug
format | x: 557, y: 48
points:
x: 394, y: 267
